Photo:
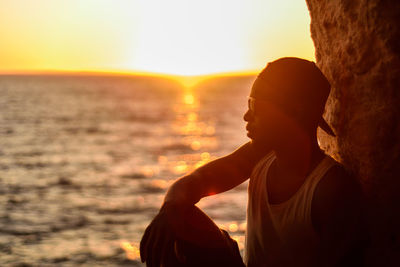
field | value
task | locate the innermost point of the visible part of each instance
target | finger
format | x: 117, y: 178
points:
x: 157, y: 249
x: 143, y: 243
x: 147, y: 240
x: 161, y: 239
x: 150, y: 248
x: 169, y: 257
x: 149, y: 262
x: 166, y: 245
x: 155, y: 239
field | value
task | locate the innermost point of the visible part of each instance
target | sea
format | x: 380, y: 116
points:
x: 85, y: 161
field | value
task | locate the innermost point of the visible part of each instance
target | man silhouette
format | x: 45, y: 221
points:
x: 303, y: 208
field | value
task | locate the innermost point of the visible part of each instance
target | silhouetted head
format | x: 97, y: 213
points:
x: 288, y: 96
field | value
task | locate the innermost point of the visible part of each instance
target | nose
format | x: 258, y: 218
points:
x: 248, y: 115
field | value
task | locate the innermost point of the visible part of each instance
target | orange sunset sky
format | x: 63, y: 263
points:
x: 179, y: 37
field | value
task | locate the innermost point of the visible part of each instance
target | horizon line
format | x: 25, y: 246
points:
x: 187, y: 81
x: 126, y: 73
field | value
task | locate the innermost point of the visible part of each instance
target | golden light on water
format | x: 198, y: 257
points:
x: 188, y: 99
x: 181, y: 167
x: 233, y: 227
x: 193, y: 133
x: 205, y: 156
x: 131, y: 251
x: 240, y: 240
x: 160, y: 184
x: 192, y: 116
x: 162, y: 159
x: 243, y: 226
x: 148, y: 171
x: 190, y: 81
x: 195, y: 145
x: 197, y: 134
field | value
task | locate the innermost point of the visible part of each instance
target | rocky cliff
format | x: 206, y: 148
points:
x: 357, y: 46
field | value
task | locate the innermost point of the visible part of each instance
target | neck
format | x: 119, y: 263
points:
x: 298, y: 155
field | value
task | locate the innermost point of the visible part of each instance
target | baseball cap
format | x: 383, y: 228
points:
x: 296, y: 85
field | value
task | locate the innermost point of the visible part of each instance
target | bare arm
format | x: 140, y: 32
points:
x: 215, y: 177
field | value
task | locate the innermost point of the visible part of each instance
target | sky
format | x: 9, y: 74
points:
x: 179, y: 37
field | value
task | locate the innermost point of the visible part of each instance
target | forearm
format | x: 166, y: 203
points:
x: 184, y: 191
x: 215, y: 177
x: 212, y: 178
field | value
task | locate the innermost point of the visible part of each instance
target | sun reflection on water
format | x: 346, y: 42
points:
x: 132, y: 251
x: 159, y: 183
x: 233, y: 227
x: 191, y: 148
x: 188, y: 98
x: 148, y: 171
x: 181, y: 167
x: 192, y: 116
x: 195, y: 133
x: 195, y: 145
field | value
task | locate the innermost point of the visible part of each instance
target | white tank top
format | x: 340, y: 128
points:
x: 281, y: 234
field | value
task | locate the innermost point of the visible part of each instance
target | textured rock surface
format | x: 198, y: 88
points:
x: 357, y: 46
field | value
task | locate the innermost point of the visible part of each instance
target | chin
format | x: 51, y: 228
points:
x: 250, y: 135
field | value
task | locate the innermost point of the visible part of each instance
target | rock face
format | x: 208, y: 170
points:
x: 357, y: 46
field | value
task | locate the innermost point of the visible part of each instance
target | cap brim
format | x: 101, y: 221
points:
x: 325, y: 126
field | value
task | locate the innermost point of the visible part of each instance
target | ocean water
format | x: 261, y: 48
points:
x: 85, y: 162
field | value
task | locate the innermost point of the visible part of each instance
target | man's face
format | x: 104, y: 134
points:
x: 267, y: 125
x: 261, y: 118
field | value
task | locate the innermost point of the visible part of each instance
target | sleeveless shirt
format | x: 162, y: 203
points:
x: 281, y: 234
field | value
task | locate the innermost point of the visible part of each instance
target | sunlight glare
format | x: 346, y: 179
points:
x: 185, y: 42
x: 178, y: 37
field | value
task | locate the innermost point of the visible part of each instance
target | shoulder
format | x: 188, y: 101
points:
x: 248, y: 156
x: 337, y: 184
x: 337, y: 197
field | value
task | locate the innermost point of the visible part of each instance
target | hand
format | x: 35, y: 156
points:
x: 158, y: 242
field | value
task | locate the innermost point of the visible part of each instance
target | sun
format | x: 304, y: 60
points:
x: 179, y: 37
